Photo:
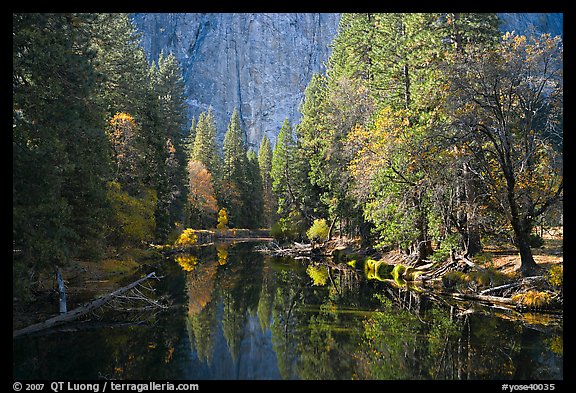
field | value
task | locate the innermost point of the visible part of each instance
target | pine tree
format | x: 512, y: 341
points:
x: 288, y: 184
x: 234, y: 171
x: 165, y: 148
x: 188, y: 143
x: 205, y: 147
x: 253, y: 193
x: 265, y: 167
x: 122, y: 65
x: 60, y: 166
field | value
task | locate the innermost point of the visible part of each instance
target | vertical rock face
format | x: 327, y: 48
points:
x: 528, y: 23
x: 258, y: 63
x: 261, y: 63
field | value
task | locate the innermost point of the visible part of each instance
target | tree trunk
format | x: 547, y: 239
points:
x: 528, y: 266
x: 62, y: 292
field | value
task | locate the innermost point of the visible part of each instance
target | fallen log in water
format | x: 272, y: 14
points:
x: 79, y: 311
x: 482, y: 298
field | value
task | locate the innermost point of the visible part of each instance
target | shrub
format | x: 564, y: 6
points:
x: 533, y: 299
x: 222, y: 219
x: 535, y: 240
x: 556, y: 275
x: 318, y: 274
x: 488, y: 277
x: 318, y: 231
x: 287, y: 228
x: 454, y: 279
x: 187, y: 238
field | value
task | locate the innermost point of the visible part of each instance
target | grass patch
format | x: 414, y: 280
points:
x: 534, y: 299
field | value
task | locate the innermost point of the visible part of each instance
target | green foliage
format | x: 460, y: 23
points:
x: 289, y: 228
x: 134, y: 219
x: 265, y: 168
x: 60, y: 162
x: 318, y: 274
x: 289, y: 181
x: 318, y: 231
x: 204, y: 148
x: 449, y: 244
x: 241, y: 188
x: 556, y: 275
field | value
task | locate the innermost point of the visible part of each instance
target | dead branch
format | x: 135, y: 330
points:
x: 79, y: 311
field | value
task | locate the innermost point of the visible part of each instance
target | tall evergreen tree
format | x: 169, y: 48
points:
x: 60, y: 166
x: 188, y: 143
x: 288, y: 184
x: 234, y: 171
x: 168, y: 87
x: 253, y: 194
x: 205, y: 147
x: 265, y: 167
x: 122, y: 65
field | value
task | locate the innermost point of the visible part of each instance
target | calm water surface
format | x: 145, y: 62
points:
x: 240, y: 315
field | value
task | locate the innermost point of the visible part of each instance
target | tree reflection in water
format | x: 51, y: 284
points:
x: 321, y: 322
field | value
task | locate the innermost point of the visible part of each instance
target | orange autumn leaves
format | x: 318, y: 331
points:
x: 201, y: 193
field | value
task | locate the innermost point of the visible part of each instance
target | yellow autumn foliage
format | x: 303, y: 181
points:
x: 188, y: 237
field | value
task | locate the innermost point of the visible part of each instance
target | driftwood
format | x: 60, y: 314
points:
x: 515, y: 284
x: 299, y: 250
x: 482, y: 298
x: 79, y: 311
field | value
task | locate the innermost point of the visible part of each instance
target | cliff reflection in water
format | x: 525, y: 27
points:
x: 255, y: 317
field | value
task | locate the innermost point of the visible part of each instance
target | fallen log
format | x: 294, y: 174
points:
x: 482, y: 298
x: 519, y: 283
x: 79, y: 311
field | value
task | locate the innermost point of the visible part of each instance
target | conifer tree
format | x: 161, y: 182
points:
x: 234, y: 171
x: 288, y: 184
x: 188, y: 143
x: 60, y: 165
x: 205, y: 146
x: 265, y: 167
x: 165, y: 148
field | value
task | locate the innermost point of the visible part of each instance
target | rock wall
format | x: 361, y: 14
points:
x: 258, y: 63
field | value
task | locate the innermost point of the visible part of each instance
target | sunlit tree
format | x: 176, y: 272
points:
x: 507, y: 106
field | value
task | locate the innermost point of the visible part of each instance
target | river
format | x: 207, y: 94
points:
x: 237, y: 314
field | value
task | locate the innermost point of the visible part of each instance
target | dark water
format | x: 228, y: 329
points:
x: 240, y: 315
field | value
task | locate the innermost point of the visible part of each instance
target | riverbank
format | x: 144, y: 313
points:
x: 86, y: 280
x: 492, y: 278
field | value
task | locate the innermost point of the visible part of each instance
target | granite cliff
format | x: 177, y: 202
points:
x: 259, y: 63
